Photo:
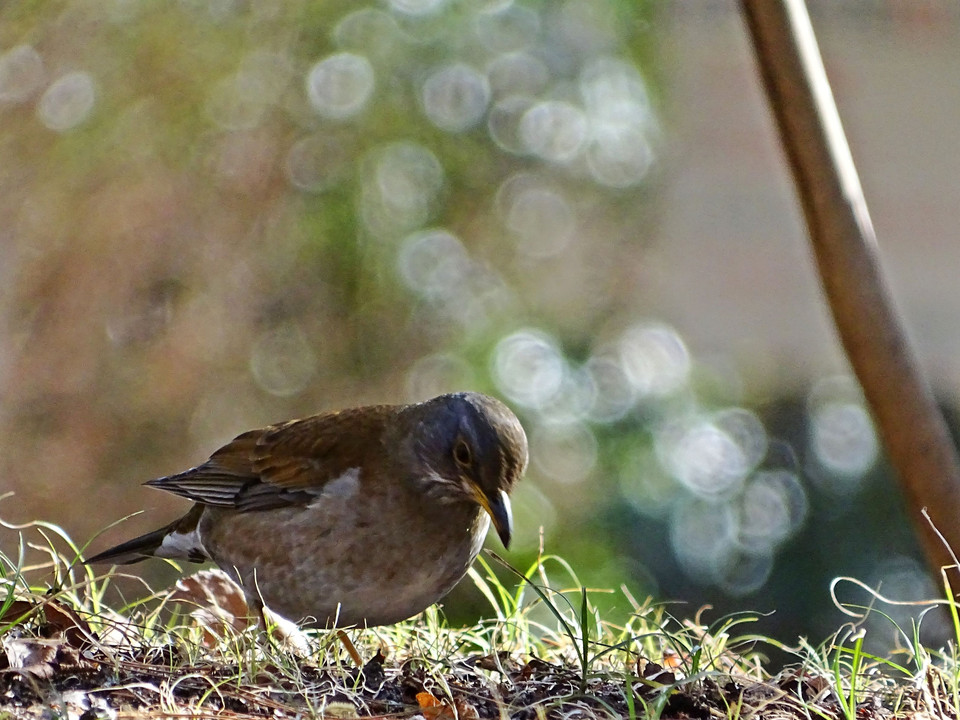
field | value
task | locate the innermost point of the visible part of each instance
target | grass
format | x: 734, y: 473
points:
x: 544, y: 652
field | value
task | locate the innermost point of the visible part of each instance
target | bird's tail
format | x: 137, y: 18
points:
x: 178, y: 540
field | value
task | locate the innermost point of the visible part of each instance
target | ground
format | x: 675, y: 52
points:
x: 72, y: 647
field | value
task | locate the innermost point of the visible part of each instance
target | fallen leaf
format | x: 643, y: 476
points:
x: 433, y: 708
x: 31, y: 656
x: 58, y: 620
x: 18, y: 611
x: 64, y: 619
x: 671, y: 659
x: 427, y: 700
x: 465, y: 710
x: 219, y: 606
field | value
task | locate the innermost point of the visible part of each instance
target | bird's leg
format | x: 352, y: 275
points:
x: 293, y: 638
x: 287, y: 632
x: 289, y: 635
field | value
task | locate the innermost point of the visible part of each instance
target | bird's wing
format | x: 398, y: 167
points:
x: 285, y: 464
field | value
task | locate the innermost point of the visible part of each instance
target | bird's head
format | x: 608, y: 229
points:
x: 470, y: 447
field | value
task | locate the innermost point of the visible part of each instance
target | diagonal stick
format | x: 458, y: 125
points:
x: 911, y: 426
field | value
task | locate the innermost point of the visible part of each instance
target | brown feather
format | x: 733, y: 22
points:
x: 284, y: 464
x: 307, y: 454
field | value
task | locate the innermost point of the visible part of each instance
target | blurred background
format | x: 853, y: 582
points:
x: 219, y: 214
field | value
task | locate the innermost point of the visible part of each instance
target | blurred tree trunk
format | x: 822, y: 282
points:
x: 911, y: 426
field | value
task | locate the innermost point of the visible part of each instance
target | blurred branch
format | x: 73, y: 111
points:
x: 910, y: 423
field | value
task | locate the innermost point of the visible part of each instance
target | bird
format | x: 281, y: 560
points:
x: 358, y: 517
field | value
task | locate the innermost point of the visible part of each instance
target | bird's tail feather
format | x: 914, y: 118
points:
x: 158, y: 543
x: 131, y: 551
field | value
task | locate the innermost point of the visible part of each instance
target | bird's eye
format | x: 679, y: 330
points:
x: 462, y: 454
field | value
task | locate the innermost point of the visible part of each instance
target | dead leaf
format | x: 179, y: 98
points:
x: 465, y: 710
x: 671, y: 659
x: 31, y: 656
x: 495, y: 663
x: 219, y: 606
x: 427, y: 700
x: 18, y: 611
x: 58, y: 620
x: 433, y: 708
x: 64, y: 619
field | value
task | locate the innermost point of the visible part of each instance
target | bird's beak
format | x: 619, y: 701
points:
x: 498, y: 507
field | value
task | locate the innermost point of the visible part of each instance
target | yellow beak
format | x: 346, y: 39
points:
x: 499, y: 509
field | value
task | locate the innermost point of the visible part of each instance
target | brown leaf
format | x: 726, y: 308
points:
x: 465, y: 710
x: 671, y: 659
x: 18, y: 611
x: 65, y: 619
x: 655, y: 672
x: 427, y: 700
x: 31, y: 655
x: 433, y: 708
x: 496, y: 663
x: 218, y: 604
x: 58, y: 620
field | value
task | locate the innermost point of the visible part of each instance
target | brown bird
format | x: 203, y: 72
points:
x: 362, y: 516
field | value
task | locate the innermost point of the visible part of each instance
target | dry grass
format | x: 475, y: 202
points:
x: 544, y: 653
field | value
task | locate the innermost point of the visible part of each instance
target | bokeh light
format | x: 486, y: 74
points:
x: 614, y: 394
x: 510, y: 27
x: 573, y: 399
x: 455, y: 97
x: 843, y: 442
x: 645, y: 485
x: 517, y: 75
x: 766, y: 516
x: 417, y: 7
x: 615, y: 97
x: 282, y: 360
x: 437, y: 374
x: 401, y: 188
x: 654, y: 358
x: 21, y: 73
x: 339, y: 86
x: 434, y: 264
x: 230, y: 109
x: 503, y: 123
x: 319, y: 162
x: 529, y: 368
x: 538, y: 215
x: 565, y: 453
x: 554, y: 130
x: 68, y: 102
x: 372, y: 31
x: 702, y: 535
x: 744, y: 573
x: 264, y: 75
x: 703, y: 457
